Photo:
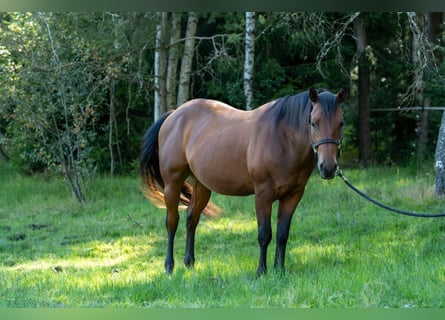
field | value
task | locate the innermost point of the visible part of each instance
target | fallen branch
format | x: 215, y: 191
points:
x: 135, y: 221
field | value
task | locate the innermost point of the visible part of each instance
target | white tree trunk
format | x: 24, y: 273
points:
x: 440, y: 160
x: 249, y: 57
x: 160, y: 65
x: 173, y: 60
x: 187, y: 59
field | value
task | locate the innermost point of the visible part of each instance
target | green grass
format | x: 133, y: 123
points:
x: 342, y: 251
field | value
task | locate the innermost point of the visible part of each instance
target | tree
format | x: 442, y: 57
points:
x: 63, y: 99
x: 440, y: 159
x: 425, y: 29
x: 173, y: 57
x: 160, y: 64
x: 435, y: 29
x: 100, y: 68
x: 249, y: 56
x: 50, y: 114
x: 364, y: 128
x: 187, y: 59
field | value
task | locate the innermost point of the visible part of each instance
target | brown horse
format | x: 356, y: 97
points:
x: 270, y: 152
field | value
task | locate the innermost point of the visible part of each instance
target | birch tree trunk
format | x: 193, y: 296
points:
x: 171, y: 81
x: 160, y: 65
x: 187, y: 59
x: 249, y: 58
x: 440, y: 160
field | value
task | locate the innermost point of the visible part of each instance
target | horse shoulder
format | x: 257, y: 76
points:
x: 279, y: 158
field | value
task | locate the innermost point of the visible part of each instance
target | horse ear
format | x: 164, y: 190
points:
x: 313, y: 94
x: 342, y: 95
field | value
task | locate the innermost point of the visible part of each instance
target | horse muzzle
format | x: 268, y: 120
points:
x: 327, y: 170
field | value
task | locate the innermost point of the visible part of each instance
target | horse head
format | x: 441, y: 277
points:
x: 326, y: 129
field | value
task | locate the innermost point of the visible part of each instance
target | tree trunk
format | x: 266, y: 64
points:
x: 110, y: 128
x: 173, y: 60
x: 364, y: 127
x: 440, y: 159
x: 431, y: 23
x: 160, y: 65
x: 249, y: 57
x: 417, y: 25
x: 436, y: 22
x: 422, y: 140
x: 187, y: 59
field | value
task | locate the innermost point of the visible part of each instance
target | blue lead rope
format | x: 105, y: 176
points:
x: 384, y: 206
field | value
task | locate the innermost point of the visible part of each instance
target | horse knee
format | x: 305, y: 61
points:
x: 171, y: 223
x: 264, y: 235
x: 282, y: 237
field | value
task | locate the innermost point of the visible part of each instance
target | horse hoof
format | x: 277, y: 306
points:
x: 261, y: 271
x: 169, y: 268
x: 189, y: 262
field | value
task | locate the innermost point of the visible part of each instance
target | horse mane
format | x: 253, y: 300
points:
x: 296, y: 109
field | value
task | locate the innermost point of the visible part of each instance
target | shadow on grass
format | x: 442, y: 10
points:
x: 111, y: 253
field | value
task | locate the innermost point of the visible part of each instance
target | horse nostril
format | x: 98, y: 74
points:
x: 327, y: 171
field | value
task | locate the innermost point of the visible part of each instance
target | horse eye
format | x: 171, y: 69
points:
x: 313, y: 124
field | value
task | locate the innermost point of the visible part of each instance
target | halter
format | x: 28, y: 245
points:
x: 315, y: 145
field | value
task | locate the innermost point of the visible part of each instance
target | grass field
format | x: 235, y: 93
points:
x: 342, y: 251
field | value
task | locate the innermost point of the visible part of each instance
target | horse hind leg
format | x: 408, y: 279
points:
x: 199, y: 200
x: 172, y: 191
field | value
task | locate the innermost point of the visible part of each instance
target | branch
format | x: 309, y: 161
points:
x: 135, y: 221
x: 335, y: 42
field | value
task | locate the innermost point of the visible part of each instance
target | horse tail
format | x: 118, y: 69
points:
x: 211, y: 209
x: 151, y: 173
x: 149, y: 163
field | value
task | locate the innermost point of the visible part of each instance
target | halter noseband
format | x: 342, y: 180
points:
x: 315, y: 145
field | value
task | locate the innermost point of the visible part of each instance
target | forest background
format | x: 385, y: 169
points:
x: 79, y: 89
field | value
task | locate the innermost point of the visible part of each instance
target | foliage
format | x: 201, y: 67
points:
x: 342, y: 252
x: 78, y: 88
x: 62, y: 79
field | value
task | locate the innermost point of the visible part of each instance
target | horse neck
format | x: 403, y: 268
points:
x: 285, y: 138
x: 296, y: 140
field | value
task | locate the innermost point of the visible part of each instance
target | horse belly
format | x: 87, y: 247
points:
x: 226, y: 183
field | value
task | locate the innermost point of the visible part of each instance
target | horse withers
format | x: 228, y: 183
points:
x: 269, y: 152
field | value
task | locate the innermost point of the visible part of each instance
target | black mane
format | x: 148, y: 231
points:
x: 296, y: 109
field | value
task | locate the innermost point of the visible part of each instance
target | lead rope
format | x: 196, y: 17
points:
x: 384, y: 206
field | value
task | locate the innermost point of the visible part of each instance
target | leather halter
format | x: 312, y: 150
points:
x: 315, y: 145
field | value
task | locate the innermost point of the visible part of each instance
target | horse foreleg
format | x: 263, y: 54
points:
x: 200, y: 198
x: 286, y: 210
x: 171, y: 197
x: 263, y: 206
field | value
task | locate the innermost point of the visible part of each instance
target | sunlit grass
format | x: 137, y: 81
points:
x: 342, y: 251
